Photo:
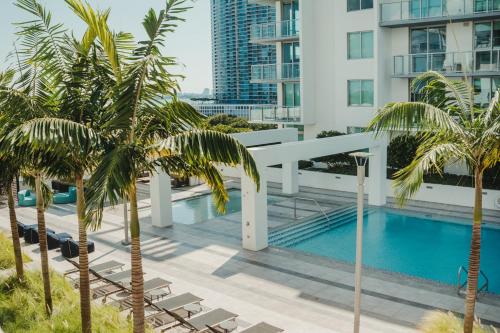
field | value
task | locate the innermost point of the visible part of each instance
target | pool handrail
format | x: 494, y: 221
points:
x: 307, y: 199
x: 460, y: 286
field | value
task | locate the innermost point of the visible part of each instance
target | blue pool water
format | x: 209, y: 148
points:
x: 202, y: 208
x: 412, y: 245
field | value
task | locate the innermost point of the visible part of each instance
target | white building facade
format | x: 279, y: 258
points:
x: 339, y: 61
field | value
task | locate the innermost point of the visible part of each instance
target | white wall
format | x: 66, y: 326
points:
x: 445, y: 194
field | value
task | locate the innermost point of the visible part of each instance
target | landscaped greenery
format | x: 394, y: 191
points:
x: 231, y: 124
x: 441, y: 322
x: 7, y: 259
x: 22, y: 308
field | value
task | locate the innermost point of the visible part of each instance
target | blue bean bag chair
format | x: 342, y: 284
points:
x: 65, y: 197
x: 26, y: 198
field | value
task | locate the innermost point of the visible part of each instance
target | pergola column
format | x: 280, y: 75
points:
x: 254, y: 212
x: 377, y: 195
x: 290, y: 177
x: 161, y: 199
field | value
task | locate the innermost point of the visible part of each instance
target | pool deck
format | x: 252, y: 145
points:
x: 297, y: 292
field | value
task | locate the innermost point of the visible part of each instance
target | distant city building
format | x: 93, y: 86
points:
x: 233, y: 54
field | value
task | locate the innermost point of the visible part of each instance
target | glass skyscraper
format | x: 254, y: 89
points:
x: 233, y: 54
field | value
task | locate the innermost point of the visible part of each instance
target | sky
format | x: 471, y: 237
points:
x: 190, y: 44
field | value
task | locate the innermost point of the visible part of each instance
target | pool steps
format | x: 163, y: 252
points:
x: 291, y: 235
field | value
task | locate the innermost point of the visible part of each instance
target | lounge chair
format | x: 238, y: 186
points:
x: 200, y: 323
x: 115, y: 283
x: 177, y: 302
x: 70, y: 248
x: 108, y: 266
x: 31, y: 235
x: 65, y: 197
x: 154, y: 289
x: 54, y: 240
x: 262, y: 328
x: 26, y: 198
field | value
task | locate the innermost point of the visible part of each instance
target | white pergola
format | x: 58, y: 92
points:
x: 285, y: 150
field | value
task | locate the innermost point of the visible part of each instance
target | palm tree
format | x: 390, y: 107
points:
x: 450, y: 128
x: 10, y: 166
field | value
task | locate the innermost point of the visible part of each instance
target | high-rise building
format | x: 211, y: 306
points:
x: 339, y: 61
x: 233, y: 54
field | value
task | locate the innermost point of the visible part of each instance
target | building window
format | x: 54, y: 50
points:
x: 487, y: 43
x: 484, y: 90
x: 486, y: 5
x: 291, y: 95
x: 359, y: 4
x: 360, y: 45
x: 360, y: 92
x: 428, y: 49
x: 291, y: 52
x: 355, y: 129
x: 427, y: 8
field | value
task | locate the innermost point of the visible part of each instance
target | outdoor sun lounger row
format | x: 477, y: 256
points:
x: 173, y: 311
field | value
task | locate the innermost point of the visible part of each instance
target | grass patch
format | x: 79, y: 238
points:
x: 442, y: 322
x: 22, y: 308
x: 7, y: 259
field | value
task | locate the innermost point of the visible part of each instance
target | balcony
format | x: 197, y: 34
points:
x: 272, y: 73
x: 268, y: 33
x: 475, y: 63
x: 414, y: 12
x: 276, y: 114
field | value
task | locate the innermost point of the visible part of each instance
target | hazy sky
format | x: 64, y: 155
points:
x: 190, y: 43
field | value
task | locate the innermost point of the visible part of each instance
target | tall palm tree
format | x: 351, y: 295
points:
x: 10, y: 166
x: 451, y: 128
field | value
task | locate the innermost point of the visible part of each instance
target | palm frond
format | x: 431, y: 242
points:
x: 431, y: 156
x: 414, y: 116
x: 209, y: 146
x: 459, y: 92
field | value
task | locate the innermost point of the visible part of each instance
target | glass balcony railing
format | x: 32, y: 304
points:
x: 400, y: 11
x: 274, y: 31
x: 276, y: 114
x: 273, y: 73
x: 451, y: 63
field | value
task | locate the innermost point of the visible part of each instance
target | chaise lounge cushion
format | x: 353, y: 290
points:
x: 31, y: 234
x: 54, y: 240
x: 70, y: 248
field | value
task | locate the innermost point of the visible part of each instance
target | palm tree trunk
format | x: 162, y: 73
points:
x: 15, y: 235
x: 137, y: 275
x: 474, y: 256
x: 42, y: 235
x: 85, y: 310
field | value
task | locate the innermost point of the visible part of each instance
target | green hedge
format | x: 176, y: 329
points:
x: 22, y: 308
x: 7, y: 253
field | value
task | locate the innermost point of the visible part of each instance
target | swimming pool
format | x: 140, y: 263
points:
x: 394, y: 241
x: 202, y: 208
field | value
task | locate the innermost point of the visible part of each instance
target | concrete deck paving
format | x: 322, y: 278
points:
x: 297, y: 292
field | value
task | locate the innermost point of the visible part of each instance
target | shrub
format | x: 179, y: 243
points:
x: 305, y: 164
x: 229, y: 129
x: 342, y: 160
x: 22, y: 308
x: 401, y: 151
x: 7, y: 259
x: 441, y: 322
